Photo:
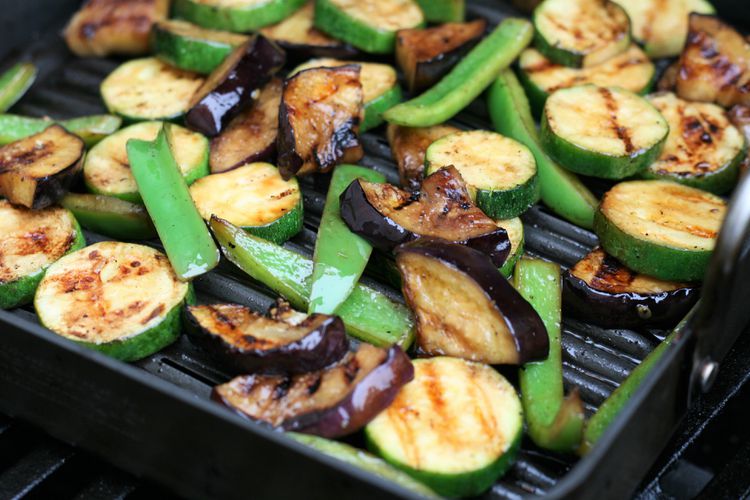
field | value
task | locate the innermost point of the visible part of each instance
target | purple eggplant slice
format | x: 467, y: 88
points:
x: 36, y: 171
x: 601, y: 290
x: 465, y: 308
x: 251, y: 136
x: 330, y: 403
x: 321, y: 109
x: 229, y: 88
x: 408, y: 145
x: 739, y: 115
x: 387, y: 216
x: 426, y: 55
x: 284, y: 343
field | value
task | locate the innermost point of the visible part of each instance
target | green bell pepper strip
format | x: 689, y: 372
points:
x: 110, y: 216
x: 14, y: 83
x: 561, y: 190
x: 467, y: 79
x: 185, y: 237
x: 367, y: 314
x: 340, y: 255
x: 91, y: 129
x: 554, y: 421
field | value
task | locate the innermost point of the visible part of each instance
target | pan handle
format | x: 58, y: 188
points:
x: 724, y: 310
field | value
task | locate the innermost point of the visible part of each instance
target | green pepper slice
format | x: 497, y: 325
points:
x: 14, y: 83
x: 91, y: 129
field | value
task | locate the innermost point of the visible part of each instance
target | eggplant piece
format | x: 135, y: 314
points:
x: 668, y: 78
x: 739, y: 115
x: 408, y: 146
x: 387, y: 216
x: 37, y: 171
x: 715, y: 63
x: 465, y: 308
x: 286, y: 342
x: 426, y: 55
x: 230, y: 87
x: 329, y: 403
x: 601, y: 290
x: 251, y: 136
x: 321, y: 110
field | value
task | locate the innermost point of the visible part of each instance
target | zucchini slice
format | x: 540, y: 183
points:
x: 601, y: 290
x: 380, y: 90
x: 632, y: 70
x: 662, y: 27
x: 367, y: 24
x: 235, y: 15
x: 456, y: 427
x: 190, y: 47
x: 121, y: 299
x: 107, y: 169
x: 91, y: 129
x: 514, y: 228
x: 149, y: 89
x: 443, y: 11
x: 499, y: 172
x: 426, y: 55
x: 703, y: 149
x: 603, y: 132
x: 254, y: 197
x: 408, y: 147
x: 251, y: 136
x: 659, y: 228
x: 31, y: 240
x: 581, y: 33
x: 36, y: 171
x: 110, y: 216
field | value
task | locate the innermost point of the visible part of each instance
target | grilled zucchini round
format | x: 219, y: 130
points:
x: 235, y: 15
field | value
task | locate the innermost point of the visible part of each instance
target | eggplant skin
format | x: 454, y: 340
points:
x: 739, y: 115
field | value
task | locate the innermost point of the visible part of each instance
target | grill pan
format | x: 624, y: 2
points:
x: 153, y: 418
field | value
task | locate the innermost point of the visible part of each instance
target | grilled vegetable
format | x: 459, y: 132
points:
x: 149, y: 89
x: 230, y: 87
x: 251, y: 135
x: 321, y: 109
x: 514, y: 229
x: 487, y: 322
x: 660, y: 228
x: 254, y: 197
x: 340, y: 255
x: 287, y: 342
x: 408, y: 146
x: 467, y: 79
x: 380, y: 90
x: 601, y: 290
x: 662, y: 27
x: 110, y: 216
x: 330, y: 403
x: 297, y: 35
x: 91, y: 129
x: 456, y: 427
x: 368, y: 315
x: 106, y: 27
x: 603, y: 132
x: 631, y: 70
x: 426, y: 55
x: 714, y: 64
x: 368, y: 25
x: 191, y: 47
x: 36, y: 171
x: 739, y: 115
x: 500, y: 173
x: 386, y: 216
x: 107, y: 171
x: 443, y: 11
x: 31, y: 240
x: 120, y: 299
x: 235, y: 15
x: 581, y: 33
x: 186, y: 240
x: 14, y: 83
x: 703, y: 149
x: 555, y: 422
x: 560, y: 189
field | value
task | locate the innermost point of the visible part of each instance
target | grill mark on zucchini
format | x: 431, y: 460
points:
x: 621, y: 132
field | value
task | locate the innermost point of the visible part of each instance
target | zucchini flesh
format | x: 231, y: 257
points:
x: 408, y: 147
x: 106, y: 169
x: 254, y: 197
x: 14, y: 83
x: 500, y: 172
x: 110, y: 216
x: 235, y: 15
x: 456, y: 427
x: 443, y: 11
x: 703, y: 149
x: 149, y: 89
x: 581, y: 33
x: 121, y: 299
x: 91, y: 129
x: 514, y: 228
